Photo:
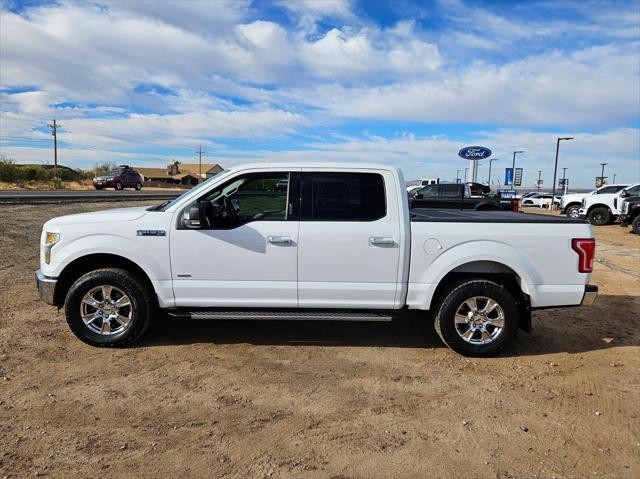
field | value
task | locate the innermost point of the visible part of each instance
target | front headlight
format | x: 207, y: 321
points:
x: 50, y: 240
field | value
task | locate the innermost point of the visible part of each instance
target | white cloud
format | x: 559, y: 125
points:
x: 593, y: 87
x: 372, y: 54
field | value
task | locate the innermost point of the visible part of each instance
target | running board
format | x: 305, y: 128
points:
x: 284, y: 315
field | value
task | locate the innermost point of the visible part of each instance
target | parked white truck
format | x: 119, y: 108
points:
x: 338, y: 243
x: 604, y: 208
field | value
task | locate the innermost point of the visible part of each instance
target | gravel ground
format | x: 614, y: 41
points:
x: 283, y: 399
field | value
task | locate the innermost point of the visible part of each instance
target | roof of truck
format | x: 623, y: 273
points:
x: 314, y: 164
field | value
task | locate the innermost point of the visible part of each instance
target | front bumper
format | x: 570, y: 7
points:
x: 590, y: 295
x: 46, y: 287
x: 582, y: 213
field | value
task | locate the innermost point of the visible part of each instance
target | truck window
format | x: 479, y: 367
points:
x: 450, y: 191
x: 342, y: 197
x: 634, y: 191
x: 610, y: 189
x: 432, y: 191
x: 254, y: 197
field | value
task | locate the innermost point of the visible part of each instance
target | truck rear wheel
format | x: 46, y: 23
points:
x: 109, y: 308
x: 477, y: 318
x: 635, y: 225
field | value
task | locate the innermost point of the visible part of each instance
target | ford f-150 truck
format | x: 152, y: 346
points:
x: 338, y: 243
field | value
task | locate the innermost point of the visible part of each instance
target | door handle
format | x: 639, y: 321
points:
x: 381, y: 241
x: 280, y: 240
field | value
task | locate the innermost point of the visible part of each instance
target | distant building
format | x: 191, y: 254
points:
x: 178, y: 173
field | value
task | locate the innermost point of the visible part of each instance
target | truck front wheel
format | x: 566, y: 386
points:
x: 635, y: 225
x: 109, y: 307
x: 600, y: 216
x: 477, y: 318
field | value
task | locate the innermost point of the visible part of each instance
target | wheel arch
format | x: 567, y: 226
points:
x: 489, y: 270
x: 599, y: 205
x: 91, y: 262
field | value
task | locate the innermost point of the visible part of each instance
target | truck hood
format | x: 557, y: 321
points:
x: 106, y: 216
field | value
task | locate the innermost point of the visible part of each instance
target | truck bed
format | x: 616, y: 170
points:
x: 428, y: 215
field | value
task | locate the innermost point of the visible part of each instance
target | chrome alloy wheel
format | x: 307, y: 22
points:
x: 106, y: 310
x: 479, y: 320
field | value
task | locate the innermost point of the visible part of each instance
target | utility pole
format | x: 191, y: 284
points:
x: 199, y: 152
x: 54, y: 132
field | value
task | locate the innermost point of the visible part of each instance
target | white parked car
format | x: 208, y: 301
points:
x: 571, y: 203
x: 541, y: 200
x: 339, y: 243
x: 604, y: 208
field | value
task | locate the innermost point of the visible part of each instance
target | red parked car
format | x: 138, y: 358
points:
x: 119, y: 179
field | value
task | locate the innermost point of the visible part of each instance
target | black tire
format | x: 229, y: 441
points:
x: 138, y: 186
x: 118, y: 186
x: 599, y: 216
x: 143, y: 306
x: 445, y: 324
x: 98, y: 187
x: 635, y: 225
x: 572, y: 211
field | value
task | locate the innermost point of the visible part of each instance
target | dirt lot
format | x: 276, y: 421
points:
x: 256, y: 399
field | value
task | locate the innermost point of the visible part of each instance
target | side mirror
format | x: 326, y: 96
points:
x: 192, y: 217
x: 625, y: 194
x: 419, y: 196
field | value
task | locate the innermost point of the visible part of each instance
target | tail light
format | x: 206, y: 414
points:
x: 515, y: 205
x: 586, y: 249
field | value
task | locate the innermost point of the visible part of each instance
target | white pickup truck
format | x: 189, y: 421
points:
x: 337, y: 243
x: 604, y: 208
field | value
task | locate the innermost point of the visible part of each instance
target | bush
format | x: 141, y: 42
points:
x: 12, y: 173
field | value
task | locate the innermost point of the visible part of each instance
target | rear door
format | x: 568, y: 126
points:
x: 348, y: 253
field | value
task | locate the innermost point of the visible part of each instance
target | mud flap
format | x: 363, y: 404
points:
x: 524, y: 308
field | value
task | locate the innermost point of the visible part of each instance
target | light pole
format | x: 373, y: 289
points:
x: 513, y: 168
x: 564, y: 180
x: 539, y: 175
x: 602, y: 173
x: 555, y: 169
x: 491, y: 160
x: 614, y: 178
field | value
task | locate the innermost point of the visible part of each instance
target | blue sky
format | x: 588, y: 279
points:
x: 403, y: 82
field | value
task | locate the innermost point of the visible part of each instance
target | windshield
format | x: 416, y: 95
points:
x: 168, y: 204
x: 112, y: 173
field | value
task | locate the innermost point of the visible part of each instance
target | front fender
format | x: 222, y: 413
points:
x: 117, y: 245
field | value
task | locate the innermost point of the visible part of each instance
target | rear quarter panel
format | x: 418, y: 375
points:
x: 540, y: 255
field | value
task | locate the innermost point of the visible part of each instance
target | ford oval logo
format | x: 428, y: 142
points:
x: 474, y: 153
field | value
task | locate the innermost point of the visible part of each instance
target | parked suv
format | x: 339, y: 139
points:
x: 630, y: 213
x: 121, y: 178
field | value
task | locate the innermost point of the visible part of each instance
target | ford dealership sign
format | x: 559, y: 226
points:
x: 474, y: 153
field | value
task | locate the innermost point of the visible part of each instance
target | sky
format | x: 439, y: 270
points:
x: 403, y: 83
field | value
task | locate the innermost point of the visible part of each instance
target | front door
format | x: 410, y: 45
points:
x: 246, y: 253
x: 349, y: 252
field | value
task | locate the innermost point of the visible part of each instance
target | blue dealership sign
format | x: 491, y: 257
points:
x: 508, y: 176
x: 474, y: 153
